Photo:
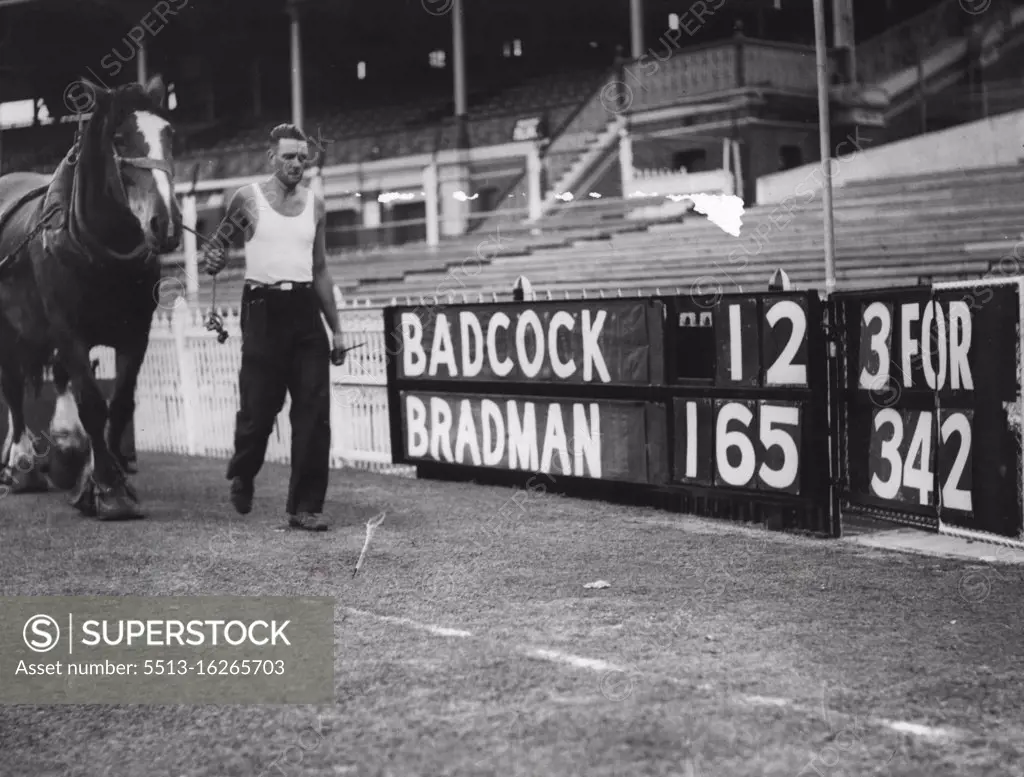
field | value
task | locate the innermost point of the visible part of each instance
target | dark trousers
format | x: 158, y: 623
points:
x: 285, y: 348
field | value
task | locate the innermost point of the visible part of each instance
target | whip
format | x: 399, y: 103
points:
x: 338, y: 354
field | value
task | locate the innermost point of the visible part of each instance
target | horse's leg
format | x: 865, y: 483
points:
x: 69, y: 439
x: 102, y: 489
x: 122, y: 404
x: 21, y: 473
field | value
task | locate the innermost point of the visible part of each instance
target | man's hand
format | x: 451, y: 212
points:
x: 338, y: 350
x: 214, y: 257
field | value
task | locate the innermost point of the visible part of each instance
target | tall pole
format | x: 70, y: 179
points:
x: 636, y: 28
x: 140, y: 64
x: 189, y: 217
x: 534, y: 200
x: 843, y: 38
x: 459, y: 59
x: 825, y: 142
x: 431, y: 203
x: 459, y: 71
x: 296, y: 51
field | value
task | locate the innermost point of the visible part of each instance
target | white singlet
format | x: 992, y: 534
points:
x: 281, y: 249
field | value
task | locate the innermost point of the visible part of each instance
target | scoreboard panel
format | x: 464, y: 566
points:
x: 724, y: 396
x: 575, y: 342
x: 583, y: 438
x: 752, y: 419
x: 737, y: 343
x: 725, y: 403
x: 748, y: 444
x: 924, y: 374
x: 694, y: 454
x: 757, y: 341
x: 784, y: 343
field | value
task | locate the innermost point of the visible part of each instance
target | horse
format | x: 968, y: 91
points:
x: 80, y: 267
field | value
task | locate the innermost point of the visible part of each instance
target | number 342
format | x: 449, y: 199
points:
x: 899, y: 464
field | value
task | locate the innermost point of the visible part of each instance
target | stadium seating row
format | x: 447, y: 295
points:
x: 350, y: 133
x: 891, y: 231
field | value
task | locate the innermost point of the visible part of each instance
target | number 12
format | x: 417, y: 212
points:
x: 782, y: 372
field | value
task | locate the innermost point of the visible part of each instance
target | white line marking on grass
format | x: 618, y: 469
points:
x: 440, y: 631
x: 556, y: 656
x: 568, y: 658
x: 771, y: 701
x: 598, y: 665
x: 916, y: 728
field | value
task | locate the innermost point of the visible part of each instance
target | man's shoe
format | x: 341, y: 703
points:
x: 307, y: 521
x: 241, y: 494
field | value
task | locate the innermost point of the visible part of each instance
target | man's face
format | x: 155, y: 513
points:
x: 289, y: 159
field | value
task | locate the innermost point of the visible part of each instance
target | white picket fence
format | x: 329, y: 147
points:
x: 187, y: 394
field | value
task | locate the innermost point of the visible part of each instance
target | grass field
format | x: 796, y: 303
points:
x: 468, y: 644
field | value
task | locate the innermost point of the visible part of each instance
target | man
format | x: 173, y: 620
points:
x: 284, y: 346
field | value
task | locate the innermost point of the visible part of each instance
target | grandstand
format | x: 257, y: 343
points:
x: 940, y: 226
x: 729, y: 108
x: 601, y: 223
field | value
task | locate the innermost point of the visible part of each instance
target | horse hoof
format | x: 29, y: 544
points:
x: 19, y: 481
x: 116, y: 501
x: 117, y: 506
x: 106, y: 502
x: 85, y: 500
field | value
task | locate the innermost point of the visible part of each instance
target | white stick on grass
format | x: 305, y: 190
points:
x: 371, y: 527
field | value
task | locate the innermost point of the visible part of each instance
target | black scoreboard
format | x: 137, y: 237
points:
x: 558, y: 388
x: 903, y: 402
x: 929, y: 381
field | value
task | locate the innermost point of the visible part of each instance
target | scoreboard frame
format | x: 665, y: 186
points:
x: 965, y: 286
x: 767, y: 379
x: 631, y: 353
x: 757, y: 406
x: 908, y: 429
x: 759, y: 363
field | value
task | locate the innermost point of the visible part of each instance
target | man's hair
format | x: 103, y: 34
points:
x: 286, y: 131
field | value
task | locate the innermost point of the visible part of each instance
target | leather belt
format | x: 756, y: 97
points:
x: 279, y: 286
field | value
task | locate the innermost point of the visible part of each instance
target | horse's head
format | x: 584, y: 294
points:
x: 136, y: 141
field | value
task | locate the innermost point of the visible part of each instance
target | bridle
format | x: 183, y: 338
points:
x: 81, y: 234
x: 144, y: 163
x: 141, y: 163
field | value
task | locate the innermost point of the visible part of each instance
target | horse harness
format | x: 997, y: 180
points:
x: 214, y: 323
x: 144, y: 163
